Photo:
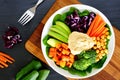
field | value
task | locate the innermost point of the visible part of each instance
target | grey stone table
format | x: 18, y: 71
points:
x: 10, y: 12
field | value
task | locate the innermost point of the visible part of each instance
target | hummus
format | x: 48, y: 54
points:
x: 78, y: 42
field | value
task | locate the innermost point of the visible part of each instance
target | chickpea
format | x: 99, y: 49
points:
x: 102, y: 37
x: 98, y: 38
x: 106, y: 51
x: 94, y: 38
x: 98, y: 46
x: 97, y: 59
x: 107, y: 33
x: 103, y: 54
x: 95, y: 47
x: 104, y: 47
x: 97, y: 51
x: 108, y: 37
x: 98, y: 43
x: 102, y: 51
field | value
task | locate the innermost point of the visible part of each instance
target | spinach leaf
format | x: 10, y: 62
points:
x: 45, y: 40
x: 77, y: 72
x: 100, y: 63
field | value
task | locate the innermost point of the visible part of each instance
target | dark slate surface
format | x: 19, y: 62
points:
x: 10, y: 12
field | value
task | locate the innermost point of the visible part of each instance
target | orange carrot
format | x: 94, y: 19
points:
x: 92, y: 24
x: 7, y: 56
x: 1, y: 66
x: 105, y: 30
x: 98, y: 21
x: 5, y: 59
x: 3, y: 63
x: 98, y: 29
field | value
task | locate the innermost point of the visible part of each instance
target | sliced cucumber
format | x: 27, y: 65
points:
x: 52, y: 42
x: 34, y: 65
x: 58, y: 36
x: 31, y: 76
x: 43, y: 74
x: 63, y: 25
x: 59, y: 32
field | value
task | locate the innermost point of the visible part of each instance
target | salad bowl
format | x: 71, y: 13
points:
x: 65, y: 72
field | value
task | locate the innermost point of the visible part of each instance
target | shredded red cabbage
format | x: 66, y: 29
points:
x: 11, y: 37
x: 77, y: 23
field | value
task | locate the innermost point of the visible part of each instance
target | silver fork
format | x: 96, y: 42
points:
x: 29, y: 14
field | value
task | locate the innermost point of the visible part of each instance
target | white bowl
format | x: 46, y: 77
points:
x: 48, y: 24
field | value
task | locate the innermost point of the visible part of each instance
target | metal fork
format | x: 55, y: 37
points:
x: 29, y: 14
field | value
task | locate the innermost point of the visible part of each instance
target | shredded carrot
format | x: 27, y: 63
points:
x: 92, y: 24
x: 96, y: 31
x: 7, y: 56
x: 100, y: 32
x: 5, y: 59
x: 1, y: 66
x: 98, y: 21
x: 105, y: 30
x: 3, y: 63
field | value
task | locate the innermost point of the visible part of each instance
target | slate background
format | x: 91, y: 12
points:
x: 10, y: 12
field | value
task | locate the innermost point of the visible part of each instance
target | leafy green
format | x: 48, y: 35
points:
x: 84, y: 13
x: 77, y: 72
x: 89, y: 54
x: 85, y: 59
x: 45, y: 40
x: 89, y: 69
x: 81, y: 64
x: 47, y: 50
x: 62, y: 17
x: 100, y: 63
x: 110, y: 33
x: 56, y: 18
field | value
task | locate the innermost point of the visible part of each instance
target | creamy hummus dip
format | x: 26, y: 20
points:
x: 78, y: 42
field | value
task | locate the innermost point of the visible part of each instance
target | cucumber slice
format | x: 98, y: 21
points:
x: 52, y: 42
x: 63, y: 25
x: 61, y: 29
x: 58, y: 36
x: 31, y: 76
x: 43, y: 74
x: 59, y: 32
x: 33, y: 65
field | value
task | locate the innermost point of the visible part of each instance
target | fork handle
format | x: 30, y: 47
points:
x: 39, y: 1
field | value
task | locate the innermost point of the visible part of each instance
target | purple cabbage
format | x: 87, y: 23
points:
x: 77, y: 23
x: 11, y: 37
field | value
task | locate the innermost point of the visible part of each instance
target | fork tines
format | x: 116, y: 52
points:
x: 27, y: 16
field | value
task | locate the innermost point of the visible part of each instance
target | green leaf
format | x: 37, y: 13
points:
x: 47, y: 50
x: 110, y: 33
x: 84, y: 13
x: 56, y: 18
x: 77, y: 72
x: 89, y: 69
x: 63, y: 17
x: 100, y: 63
x: 45, y: 40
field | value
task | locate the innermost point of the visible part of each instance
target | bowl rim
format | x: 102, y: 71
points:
x: 55, y: 67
